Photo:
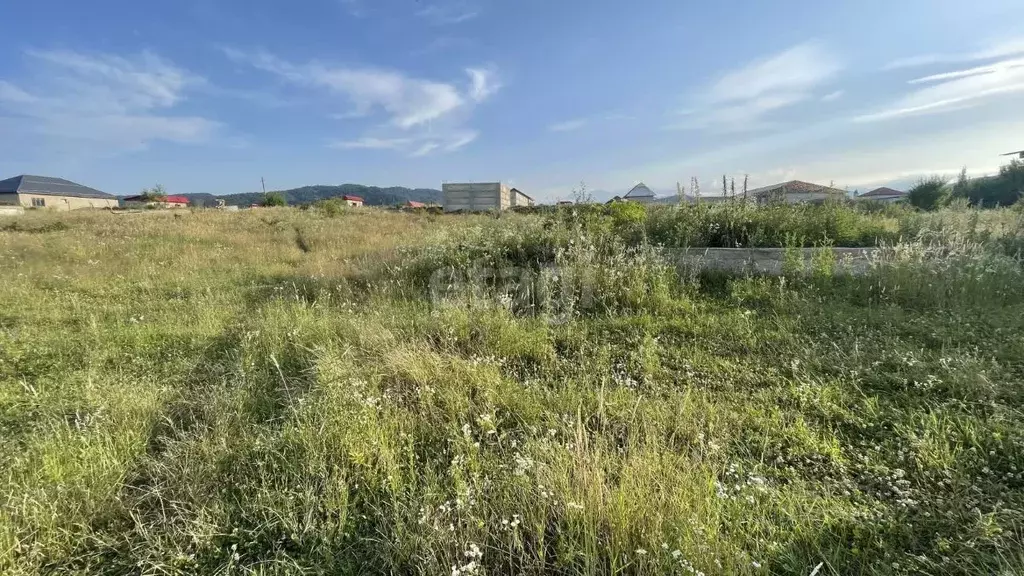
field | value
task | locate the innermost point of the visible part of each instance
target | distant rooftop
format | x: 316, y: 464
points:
x: 640, y: 191
x: 48, y: 186
x: 883, y: 191
x: 797, y: 187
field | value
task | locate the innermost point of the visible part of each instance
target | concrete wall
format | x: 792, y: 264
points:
x: 64, y: 203
x: 770, y: 261
x: 144, y: 204
x: 11, y: 210
x: 477, y: 196
x: 520, y: 199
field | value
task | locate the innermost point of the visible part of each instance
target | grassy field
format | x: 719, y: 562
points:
x: 293, y: 392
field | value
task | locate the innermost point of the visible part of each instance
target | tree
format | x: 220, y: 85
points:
x: 1002, y: 189
x: 274, y: 199
x: 581, y: 195
x: 962, y: 187
x: 155, y: 194
x: 929, y: 193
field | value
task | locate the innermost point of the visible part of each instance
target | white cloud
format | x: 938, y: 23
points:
x: 370, y: 143
x: 13, y: 94
x: 484, y: 83
x: 459, y: 140
x: 113, y: 101
x: 954, y: 90
x: 408, y: 101
x: 354, y: 8
x: 976, y: 71
x: 448, y: 13
x: 421, y: 116
x: 1000, y: 49
x: 568, y: 125
x: 425, y: 148
x: 415, y: 146
x: 739, y: 100
x: 797, y: 69
x: 833, y: 96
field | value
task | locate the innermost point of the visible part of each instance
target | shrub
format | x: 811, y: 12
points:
x: 155, y: 194
x: 331, y: 207
x: 929, y: 194
x: 274, y: 199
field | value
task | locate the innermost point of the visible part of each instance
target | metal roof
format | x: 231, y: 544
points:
x: 518, y: 191
x: 47, y: 186
x: 640, y: 191
x: 883, y: 191
x: 795, y: 186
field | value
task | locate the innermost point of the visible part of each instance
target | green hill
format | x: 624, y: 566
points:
x: 373, y: 195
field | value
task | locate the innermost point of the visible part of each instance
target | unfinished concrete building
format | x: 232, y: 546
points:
x: 482, y: 196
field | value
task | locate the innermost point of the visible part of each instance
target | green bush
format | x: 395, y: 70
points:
x: 274, y: 199
x: 737, y: 225
x: 331, y: 207
x: 930, y: 193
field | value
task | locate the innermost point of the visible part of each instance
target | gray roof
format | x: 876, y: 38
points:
x: 883, y: 191
x: 640, y: 191
x: 47, y: 186
x: 797, y: 187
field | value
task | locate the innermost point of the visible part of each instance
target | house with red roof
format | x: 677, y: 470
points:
x: 887, y: 195
x: 354, y: 201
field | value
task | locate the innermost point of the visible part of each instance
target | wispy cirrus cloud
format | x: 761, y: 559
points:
x: 833, y: 96
x: 420, y: 116
x: 574, y: 124
x: 408, y: 101
x: 994, y: 50
x: 355, y: 8
x: 415, y: 146
x: 741, y: 99
x: 569, y: 125
x: 954, y: 90
x: 122, y: 103
x: 448, y: 13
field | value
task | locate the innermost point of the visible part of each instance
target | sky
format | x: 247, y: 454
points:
x: 209, y: 96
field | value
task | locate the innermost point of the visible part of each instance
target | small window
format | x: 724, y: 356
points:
x: 39, y: 202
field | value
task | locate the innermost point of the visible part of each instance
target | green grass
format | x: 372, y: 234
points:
x: 286, y: 392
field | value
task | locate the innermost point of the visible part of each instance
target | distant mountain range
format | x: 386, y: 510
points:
x: 372, y: 195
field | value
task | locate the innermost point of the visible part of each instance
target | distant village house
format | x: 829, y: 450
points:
x: 886, y: 195
x: 52, y: 194
x: 159, y: 202
x: 354, y: 201
x: 640, y: 193
x: 796, y: 192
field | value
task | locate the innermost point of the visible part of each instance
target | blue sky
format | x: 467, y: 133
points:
x: 211, y: 95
